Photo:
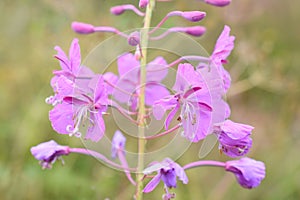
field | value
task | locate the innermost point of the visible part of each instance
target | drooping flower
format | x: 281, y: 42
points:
x: 222, y: 50
x: 129, y: 81
x: 234, y: 138
x: 194, y: 101
x: 167, y: 171
x: 249, y: 172
x: 74, y: 111
x: 118, y: 144
x: 48, y: 152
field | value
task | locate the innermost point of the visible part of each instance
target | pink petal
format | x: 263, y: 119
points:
x: 157, y: 76
x: 75, y: 57
x: 152, y: 184
x: 154, y: 92
x: 61, y: 117
x: 128, y: 67
x: 171, y: 116
x: 96, y: 130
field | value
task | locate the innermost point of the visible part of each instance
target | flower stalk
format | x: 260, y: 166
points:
x: 142, y: 109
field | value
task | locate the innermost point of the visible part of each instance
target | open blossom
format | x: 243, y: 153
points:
x: 129, y: 81
x: 234, y: 138
x: 48, y: 152
x: 249, y: 172
x: 167, y: 171
x: 74, y: 111
x: 194, y: 101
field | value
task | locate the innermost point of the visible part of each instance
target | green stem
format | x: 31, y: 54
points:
x: 142, y: 110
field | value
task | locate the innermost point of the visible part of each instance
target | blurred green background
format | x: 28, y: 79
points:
x: 265, y: 93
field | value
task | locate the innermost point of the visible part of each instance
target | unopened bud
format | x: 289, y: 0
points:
x: 195, y: 30
x: 193, y: 16
x: 134, y: 38
x: 82, y: 28
x: 219, y: 3
x: 117, y: 10
x: 143, y: 3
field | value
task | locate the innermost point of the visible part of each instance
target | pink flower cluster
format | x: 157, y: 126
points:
x: 82, y: 97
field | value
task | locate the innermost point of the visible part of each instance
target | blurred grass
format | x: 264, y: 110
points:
x: 264, y: 67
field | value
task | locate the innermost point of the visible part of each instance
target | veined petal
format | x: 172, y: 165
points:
x: 171, y: 116
x: 111, y: 78
x: 224, y: 46
x: 156, y: 76
x: 100, y: 94
x: 205, y: 121
x: 155, y: 91
x: 63, y: 59
x: 186, y: 77
x: 127, y: 88
x: 180, y: 173
x: 128, y: 67
x: 162, y: 105
x: 75, y: 57
x: 152, y: 184
x: 97, y: 127
x: 61, y: 116
x: 75, y: 101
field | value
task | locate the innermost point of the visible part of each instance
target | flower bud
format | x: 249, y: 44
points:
x: 219, y: 3
x: 134, y: 38
x: 82, y: 28
x: 195, y: 30
x: 143, y: 3
x: 117, y: 10
x: 193, y: 16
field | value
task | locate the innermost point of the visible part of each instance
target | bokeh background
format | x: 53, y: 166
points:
x: 265, y: 93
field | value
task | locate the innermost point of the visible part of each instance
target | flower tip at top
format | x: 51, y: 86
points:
x: 143, y: 3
